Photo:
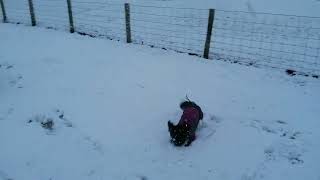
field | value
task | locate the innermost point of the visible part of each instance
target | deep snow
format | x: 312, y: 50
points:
x: 110, y: 103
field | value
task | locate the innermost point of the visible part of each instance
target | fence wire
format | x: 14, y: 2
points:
x: 257, y: 39
x: 269, y: 40
x: 100, y: 19
x: 17, y: 12
x: 51, y: 14
x: 183, y: 30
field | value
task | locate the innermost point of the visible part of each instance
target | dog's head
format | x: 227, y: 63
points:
x: 179, y: 133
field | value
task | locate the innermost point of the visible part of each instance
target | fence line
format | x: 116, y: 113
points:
x: 284, y: 42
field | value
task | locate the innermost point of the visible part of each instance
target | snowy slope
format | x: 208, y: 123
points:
x: 110, y: 103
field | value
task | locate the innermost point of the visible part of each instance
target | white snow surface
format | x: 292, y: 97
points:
x: 110, y: 103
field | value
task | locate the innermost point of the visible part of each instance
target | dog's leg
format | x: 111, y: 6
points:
x: 190, y: 139
x: 188, y: 143
x: 171, y: 129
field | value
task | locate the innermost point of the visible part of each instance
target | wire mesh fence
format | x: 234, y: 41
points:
x: 17, y: 12
x: 257, y: 39
x: 52, y: 14
x: 179, y: 29
x: 267, y: 40
x: 99, y: 19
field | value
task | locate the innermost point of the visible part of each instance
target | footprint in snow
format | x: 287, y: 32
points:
x: 208, y: 126
x: 6, y: 66
x: 287, y: 151
x: 51, y: 122
x: 142, y: 177
x: 95, y: 144
x: 6, y: 114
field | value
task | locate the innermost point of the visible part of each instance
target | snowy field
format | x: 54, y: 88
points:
x: 109, y: 103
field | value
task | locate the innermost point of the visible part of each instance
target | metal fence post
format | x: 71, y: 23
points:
x: 128, y: 27
x: 209, y: 33
x: 70, y: 16
x: 32, y: 15
x: 4, y: 15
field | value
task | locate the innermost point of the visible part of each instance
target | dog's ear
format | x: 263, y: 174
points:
x: 186, y: 104
x: 170, y: 125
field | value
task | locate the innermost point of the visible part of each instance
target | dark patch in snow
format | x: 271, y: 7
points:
x: 269, y: 153
x: 85, y: 34
x: 142, y: 177
x: 6, y: 66
x: 268, y: 130
x: 296, y: 160
x: 4, y: 176
x: 48, y: 124
x: 193, y: 54
x: 51, y: 122
x: 294, y: 135
x: 281, y: 122
x: 291, y: 72
x: 290, y: 135
x: 62, y: 116
x: 210, y: 171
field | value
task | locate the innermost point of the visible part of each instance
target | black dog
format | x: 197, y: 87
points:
x: 184, y: 131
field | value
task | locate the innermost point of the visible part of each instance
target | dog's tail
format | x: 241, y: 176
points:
x: 187, y: 98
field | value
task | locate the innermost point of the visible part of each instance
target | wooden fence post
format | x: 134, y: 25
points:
x: 209, y: 33
x: 128, y: 27
x: 70, y: 16
x: 32, y: 15
x: 4, y: 15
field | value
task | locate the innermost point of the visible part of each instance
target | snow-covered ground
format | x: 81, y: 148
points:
x: 110, y: 103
